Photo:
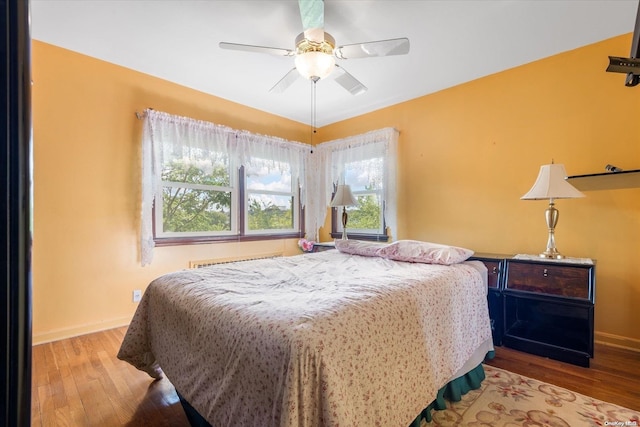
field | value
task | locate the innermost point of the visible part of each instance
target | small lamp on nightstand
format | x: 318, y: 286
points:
x: 551, y: 184
x: 343, y: 197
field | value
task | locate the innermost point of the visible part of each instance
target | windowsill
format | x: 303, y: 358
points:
x: 176, y: 241
x: 369, y: 237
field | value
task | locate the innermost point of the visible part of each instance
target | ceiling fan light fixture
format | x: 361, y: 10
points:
x: 314, y: 59
x: 315, y: 64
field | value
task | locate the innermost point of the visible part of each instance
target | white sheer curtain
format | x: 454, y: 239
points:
x: 334, y: 155
x: 167, y: 136
x: 273, y: 152
x: 317, y: 201
x: 317, y: 169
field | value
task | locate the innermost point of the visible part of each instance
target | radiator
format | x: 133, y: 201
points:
x: 214, y: 261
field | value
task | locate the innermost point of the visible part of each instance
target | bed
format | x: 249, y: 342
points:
x: 336, y: 338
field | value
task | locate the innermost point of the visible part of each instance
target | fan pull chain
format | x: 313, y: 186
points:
x: 314, y: 80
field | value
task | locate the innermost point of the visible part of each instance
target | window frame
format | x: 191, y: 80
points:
x: 295, y: 206
x: 159, y: 217
x: 360, y: 234
x: 239, y: 217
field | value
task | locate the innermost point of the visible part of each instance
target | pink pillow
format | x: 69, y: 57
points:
x: 425, y: 252
x: 360, y: 247
x: 406, y: 250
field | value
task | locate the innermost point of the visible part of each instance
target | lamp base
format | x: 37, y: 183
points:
x: 551, y: 254
x: 344, y: 223
x: 551, y: 215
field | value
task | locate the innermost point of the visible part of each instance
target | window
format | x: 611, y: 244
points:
x: 367, y: 163
x: 366, y: 219
x: 201, y: 198
x: 197, y: 195
x: 204, y: 182
x: 271, y: 202
x: 366, y: 182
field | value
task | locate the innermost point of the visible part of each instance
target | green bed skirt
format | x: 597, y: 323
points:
x: 453, y: 392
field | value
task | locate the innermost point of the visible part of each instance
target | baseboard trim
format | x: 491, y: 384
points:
x: 617, y: 341
x: 60, y: 334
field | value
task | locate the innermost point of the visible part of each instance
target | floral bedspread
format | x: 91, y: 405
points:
x: 319, y: 339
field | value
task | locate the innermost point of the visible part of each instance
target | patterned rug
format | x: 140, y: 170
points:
x: 508, y: 399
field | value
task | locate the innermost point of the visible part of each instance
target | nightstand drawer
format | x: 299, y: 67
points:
x: 573, y: 281
x: 495, y: 267
x: 493, y: 273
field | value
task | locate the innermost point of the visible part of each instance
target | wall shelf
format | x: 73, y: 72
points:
x: 606, y: 181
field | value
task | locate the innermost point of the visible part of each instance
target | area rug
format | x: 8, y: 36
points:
x: 508, y: 399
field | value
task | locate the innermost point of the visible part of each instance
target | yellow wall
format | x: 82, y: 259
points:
x: 87, y: 186
x: 468, y: 153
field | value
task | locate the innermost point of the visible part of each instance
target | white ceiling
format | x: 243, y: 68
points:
x: 452, y: 42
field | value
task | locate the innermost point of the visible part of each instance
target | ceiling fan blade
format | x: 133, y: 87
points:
x: 347, y: 81
x: 312, y: 13
x: 257, y: 49
x: 369, y: 49
x: 286, y: 81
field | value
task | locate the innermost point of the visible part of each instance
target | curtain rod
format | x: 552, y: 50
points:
x: 140, y: 115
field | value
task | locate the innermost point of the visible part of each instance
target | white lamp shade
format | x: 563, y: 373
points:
x: 551, y: 184
x: 343, y: 197
x: 315, y: 64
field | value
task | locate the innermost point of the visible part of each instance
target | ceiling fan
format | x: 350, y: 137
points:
x: 315, y: 51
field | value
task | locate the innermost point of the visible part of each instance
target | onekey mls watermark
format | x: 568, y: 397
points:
x: 621, y: 423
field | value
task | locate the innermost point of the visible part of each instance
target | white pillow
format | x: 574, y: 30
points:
x: 424, y: 252
x: 360, y: 247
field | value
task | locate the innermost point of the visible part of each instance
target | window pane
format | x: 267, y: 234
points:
x: 207, y: 171
x: 188, y: 210
x: 365, y: 216
x: 364, y: 174
x: 366, y: 178
x: 270, y: 212
x: 268, y: 175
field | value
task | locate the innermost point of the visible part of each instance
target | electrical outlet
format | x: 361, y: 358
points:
x: 137, y: 295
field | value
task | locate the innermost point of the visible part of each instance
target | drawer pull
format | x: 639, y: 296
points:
x: 545, y: 273
x: 494, y: 270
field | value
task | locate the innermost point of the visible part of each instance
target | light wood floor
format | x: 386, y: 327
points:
x: 80, y: 382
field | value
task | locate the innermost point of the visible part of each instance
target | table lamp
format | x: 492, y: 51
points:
x: 343, y: 197
x: 551, y: 184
